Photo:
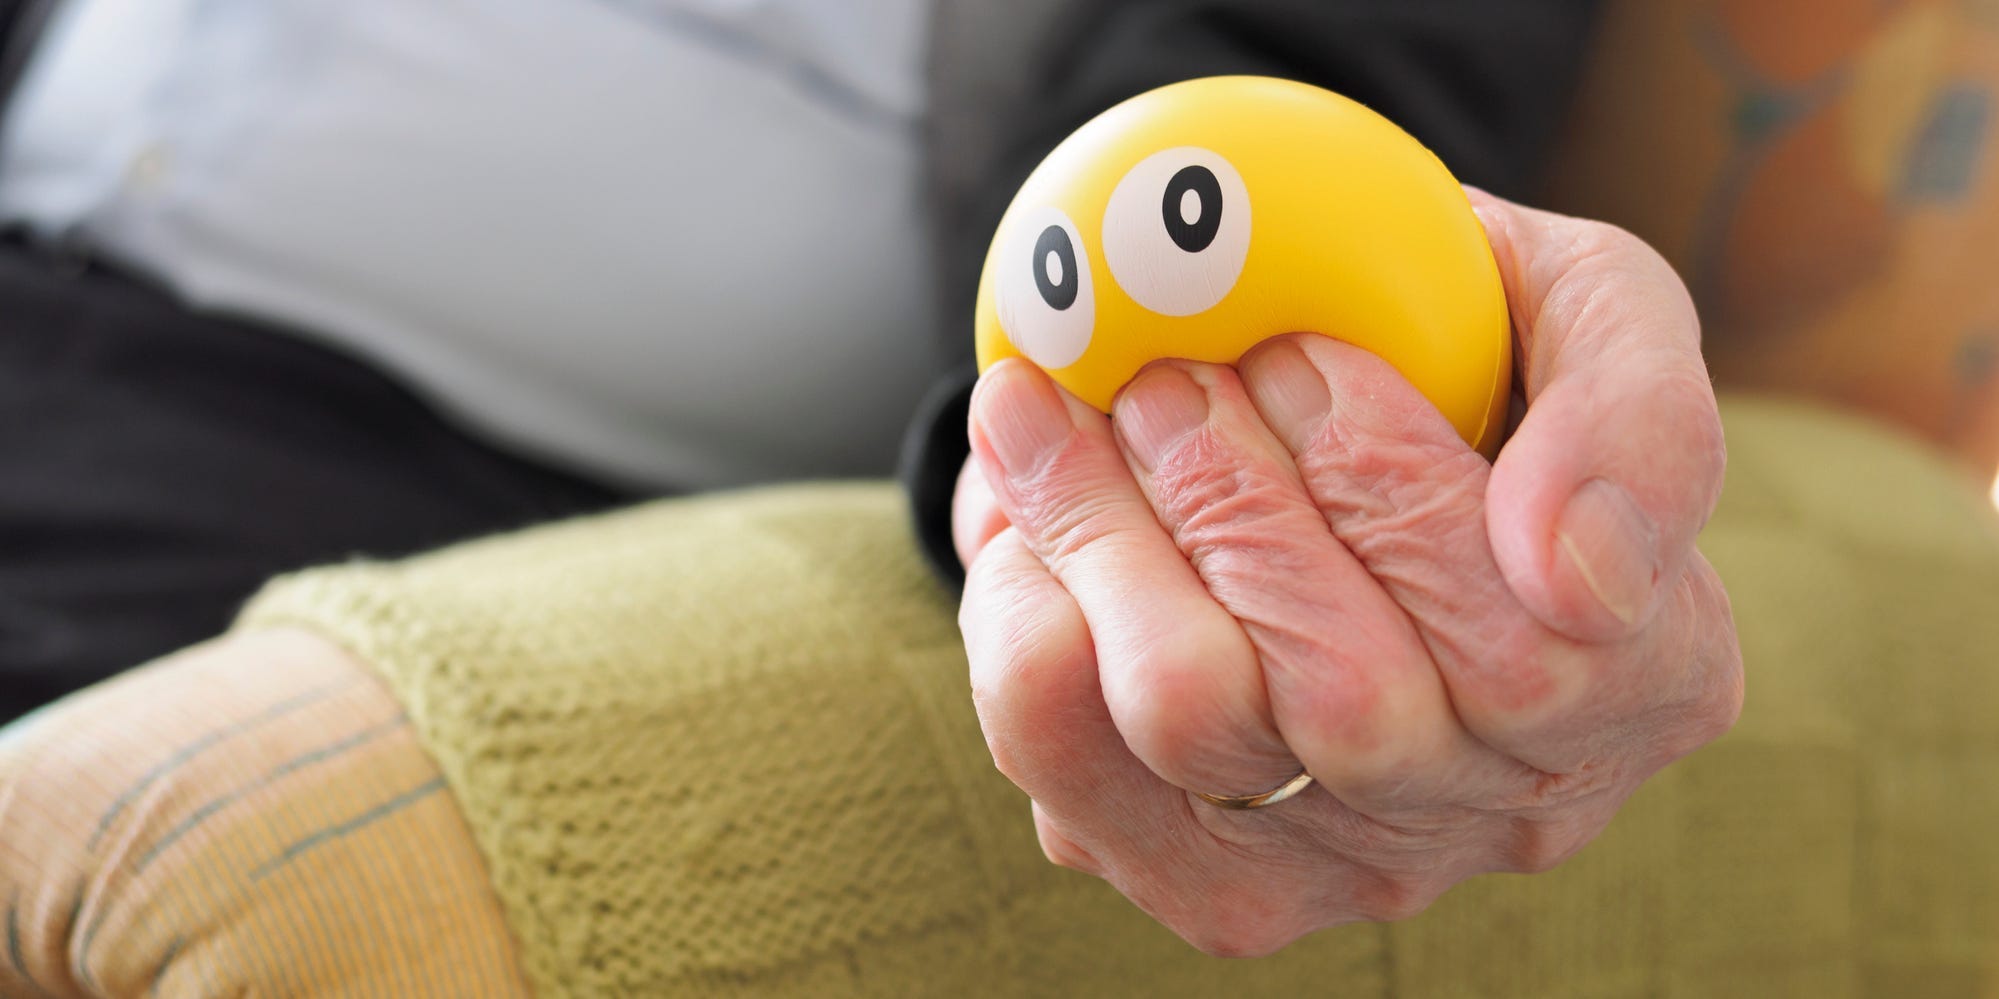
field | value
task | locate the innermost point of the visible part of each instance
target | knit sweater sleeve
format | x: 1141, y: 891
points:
x: 724, y: 746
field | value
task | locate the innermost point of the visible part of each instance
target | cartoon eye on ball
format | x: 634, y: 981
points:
x: 1202, y: 218
x: 1176, y: 231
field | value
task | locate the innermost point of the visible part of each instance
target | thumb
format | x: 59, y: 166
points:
x: 1595, y: 502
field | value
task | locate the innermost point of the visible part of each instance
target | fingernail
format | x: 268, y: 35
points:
x: 1613, y: 547
x: 1289, y: 392
x: 1023, y: 418
x: 1156, y: 411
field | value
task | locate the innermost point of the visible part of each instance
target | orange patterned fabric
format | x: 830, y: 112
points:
x: 1825, y: 174
x: 255, y: 821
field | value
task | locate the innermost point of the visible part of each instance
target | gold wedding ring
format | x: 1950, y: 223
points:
x: 1245, y: 802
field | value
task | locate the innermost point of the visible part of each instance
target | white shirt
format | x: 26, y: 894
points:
x: 671, y: 242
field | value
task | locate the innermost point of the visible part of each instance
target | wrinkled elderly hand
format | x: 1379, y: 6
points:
x: 1297, y: 564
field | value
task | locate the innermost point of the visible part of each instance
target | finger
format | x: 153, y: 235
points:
x: 1060, y: 849
x: 1404, y: 493
x: 1098, y: 808
x: 975, y: 514
x: 1698, y: 630
x: 1179, y: 676
x: 1034, y: 685
x: 1352, y: 690
x: 1596, y: 500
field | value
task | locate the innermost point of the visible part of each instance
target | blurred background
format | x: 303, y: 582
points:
x: 1823, y: 173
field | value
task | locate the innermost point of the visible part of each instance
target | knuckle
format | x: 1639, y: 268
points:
x: 1351, y: 720
x: 1392, y: 898
x: 1719, y: 704
x: 1236, y: 930
x: 1002, y: 677
x: 1010, y: 764
x: 1713, y: 612
x: 1027, y: 661
x: 1592, y: 241
x: 1512, y: 682
x: 1538, y: 846
x: 1179, y: 711
x: 1401, y: 792
x: 1080, y: 521
x: 1238, y: 520
x: 1385, y: 463
x: 1208, y: 472
x: 1597, y: 267
x: 1387, y: 753
x: 1387, y: 491
x: 992, y: 584
x: 1060, y: 855
x: 1069, y: 505
x: 989, y: 695
x: 1226, y: 511
x: 1700, y: 417
x: 1724, y: 704
x: 1027, y: 749
x: 1712, y: 660
x: 1684, y: 400
x: 1594, y: 781
x: 1012, y: 757
x: 1229, y: 942
x: 1353, y: 476
x: 1030, y: 750
x: 1062, y: 851
x: 976, y: 517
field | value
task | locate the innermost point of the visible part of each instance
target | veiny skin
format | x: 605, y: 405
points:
x: 1296, y: 562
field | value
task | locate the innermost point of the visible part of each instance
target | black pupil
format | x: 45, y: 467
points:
x: 1059, y: 295
x: 1196, y: 235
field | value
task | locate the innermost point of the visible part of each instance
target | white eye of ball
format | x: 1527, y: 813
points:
x: 1046, y: 304
x: 1176, y: 231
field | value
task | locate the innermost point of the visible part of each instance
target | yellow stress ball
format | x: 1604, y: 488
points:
x: 1202, y: 218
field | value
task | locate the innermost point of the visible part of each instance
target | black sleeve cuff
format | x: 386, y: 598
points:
x: 933, y: 451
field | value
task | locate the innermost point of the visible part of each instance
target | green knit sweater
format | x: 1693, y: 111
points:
x: 725, y: 746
